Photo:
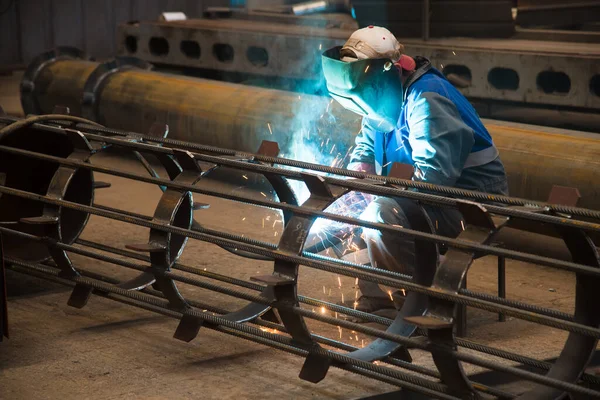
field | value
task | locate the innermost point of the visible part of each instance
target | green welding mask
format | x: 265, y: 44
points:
x: 371, y: 88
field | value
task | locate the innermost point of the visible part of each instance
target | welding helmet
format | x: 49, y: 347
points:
x: 362, y: 77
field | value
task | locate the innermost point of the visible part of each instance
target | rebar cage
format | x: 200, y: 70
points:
x: 47, y: 195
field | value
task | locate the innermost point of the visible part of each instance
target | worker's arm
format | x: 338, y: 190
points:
x: 362, y: 157
x: 440, y: 140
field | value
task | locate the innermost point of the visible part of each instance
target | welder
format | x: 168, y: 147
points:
x: 413, y: 115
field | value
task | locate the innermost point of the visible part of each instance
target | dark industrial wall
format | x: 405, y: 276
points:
x: 29, y: 27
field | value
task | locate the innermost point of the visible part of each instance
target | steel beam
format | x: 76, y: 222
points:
x: 523, y: 71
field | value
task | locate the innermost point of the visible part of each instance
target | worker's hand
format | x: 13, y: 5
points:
x: 362, y: 167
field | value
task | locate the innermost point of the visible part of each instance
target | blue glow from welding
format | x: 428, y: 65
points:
x: 353, y: 13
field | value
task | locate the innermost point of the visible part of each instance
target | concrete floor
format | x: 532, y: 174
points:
x: 107, y: 350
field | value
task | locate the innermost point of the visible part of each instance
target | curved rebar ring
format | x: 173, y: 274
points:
x: 51, y: 179
x: 578, y: 349
x: 416, y: 304
x: 440, y: 320
x: 173, y: 168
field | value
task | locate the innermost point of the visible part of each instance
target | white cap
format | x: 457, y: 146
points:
x: 372, y: 42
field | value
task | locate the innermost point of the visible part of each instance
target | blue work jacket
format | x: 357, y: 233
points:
x: 439, y: 133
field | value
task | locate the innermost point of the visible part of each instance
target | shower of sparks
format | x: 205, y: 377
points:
x: 268, y: 330
x: 270, y: 130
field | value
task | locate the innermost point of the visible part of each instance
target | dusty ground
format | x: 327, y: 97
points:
x: 107, y: 350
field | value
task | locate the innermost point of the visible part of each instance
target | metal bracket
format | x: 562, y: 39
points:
x: 80, y: 296
x: 159, y: 131
x: 268, y: 148
x: 188, y: 328
x: 315, y: 367
x: 402, y: 171
x: 316, y: 185
x: 62, y: 110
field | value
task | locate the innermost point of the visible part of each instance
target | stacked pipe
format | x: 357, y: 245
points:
x: 47, y: 197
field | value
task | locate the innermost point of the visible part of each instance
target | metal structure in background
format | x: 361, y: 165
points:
x: 496, y: 75
x: 48, y: 196
x: 240, y: 117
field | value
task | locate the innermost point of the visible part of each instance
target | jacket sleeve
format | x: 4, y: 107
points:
x: 440, y: 140
x: 364, y: 150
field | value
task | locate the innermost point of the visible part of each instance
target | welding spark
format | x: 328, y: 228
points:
x: 453, y: 52
x: 339, y: 282
x: 332, y: 148
x: 269, y: 125
x: 244, y: 176
x: 395, y: 210
x: 340, y: 330
x: 356, y: 282
x: 263, y: 222
x: 462, y: 224
x: 355, y: 304
x: 403, y: 292
x: 387, y: 164
x: 275, y: 234
x: 442, y: 65
x: 243, y: 219
x: 264, y: 195
x: 323, y: 311
x: 436, y: 225
x: 390, y: 294
x: 324, y: 292
x: 321, y: 46
x: 342, y: 297
x: 366, y: 69
x: 401, y: 146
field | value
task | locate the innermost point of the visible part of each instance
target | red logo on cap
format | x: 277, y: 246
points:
x: 371, y: 27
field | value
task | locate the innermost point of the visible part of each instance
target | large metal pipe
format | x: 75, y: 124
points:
x: 240, y: 117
